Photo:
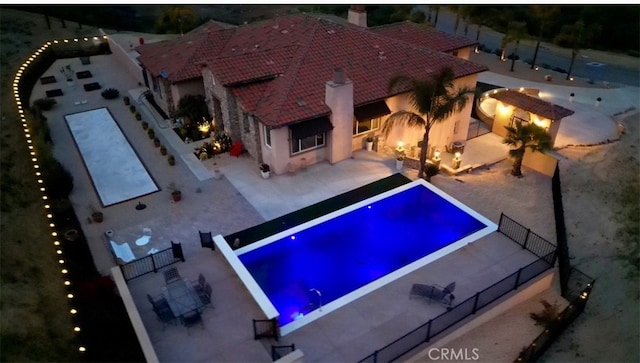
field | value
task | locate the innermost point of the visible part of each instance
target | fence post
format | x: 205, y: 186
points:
x: 526, y: 239
x: 475, y: 303
x: 518, y: 279
x: 428, y: 331
x: 153, y: 262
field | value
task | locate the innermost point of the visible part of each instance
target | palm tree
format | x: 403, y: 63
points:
x: 544, y: 14
x: 434, y: 100
x: 522, y: 137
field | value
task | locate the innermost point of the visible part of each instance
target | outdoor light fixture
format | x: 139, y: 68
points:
x: 436, y: 155
x: 400, y: 148
x: 455, y: 162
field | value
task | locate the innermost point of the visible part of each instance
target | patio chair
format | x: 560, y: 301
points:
x: 192, y: 318
x: 201, y: 280
x: 206, y: 241
x: 171, y: 274
x: 434, y: 292
x: 165, y: 315
x: 205, y: 295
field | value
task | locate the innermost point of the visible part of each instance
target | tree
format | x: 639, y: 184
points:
x: 194, y: 108
x: 517, y: 30
x: 434, y: 100
x: 575, y: 35
x: 523, y: 136
x: 544, y: 14
x: 177, y: 20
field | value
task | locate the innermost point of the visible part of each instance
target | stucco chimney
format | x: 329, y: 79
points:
x: 339, y: 98
x: 358, y: 15
x: 338, y: 76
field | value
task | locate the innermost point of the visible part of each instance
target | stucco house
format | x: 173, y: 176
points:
x: 305, y: 88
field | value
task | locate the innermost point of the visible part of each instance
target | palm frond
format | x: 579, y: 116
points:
x: 401, y: 119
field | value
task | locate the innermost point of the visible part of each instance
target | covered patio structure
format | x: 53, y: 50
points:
x: 521, y: 105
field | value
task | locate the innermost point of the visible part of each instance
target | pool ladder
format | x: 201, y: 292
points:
x: 319, y: 298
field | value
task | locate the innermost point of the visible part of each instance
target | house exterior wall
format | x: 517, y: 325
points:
x: 455, y: 128
x: 502, y: 118
x: 181, y: 89
x: 228, y: 106
x: 503, y: 115
x: 465, y: 53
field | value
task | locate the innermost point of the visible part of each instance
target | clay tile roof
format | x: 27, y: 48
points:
x: 278, y: 68
x: 323, y: 45
x: 423, y: 35
x: 178, y: 59
x: 533, y: 105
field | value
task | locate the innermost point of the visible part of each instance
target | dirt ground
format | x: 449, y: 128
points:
x: 600, y: 188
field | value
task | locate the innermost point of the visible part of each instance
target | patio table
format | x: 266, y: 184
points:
x: 182, y: 297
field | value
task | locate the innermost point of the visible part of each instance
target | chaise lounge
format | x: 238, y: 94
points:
x: 436, y: 293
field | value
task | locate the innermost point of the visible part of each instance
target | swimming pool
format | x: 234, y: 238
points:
x: 307, y: 271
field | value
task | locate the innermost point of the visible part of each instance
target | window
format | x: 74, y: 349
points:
x: 360, y: 127
x: 267, y: 135
x: 307, y: 143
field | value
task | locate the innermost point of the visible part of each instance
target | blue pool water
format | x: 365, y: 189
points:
x: 329, y: 260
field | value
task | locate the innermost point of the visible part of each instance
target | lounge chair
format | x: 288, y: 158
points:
x: 123, y: 251
x: 437, y: 293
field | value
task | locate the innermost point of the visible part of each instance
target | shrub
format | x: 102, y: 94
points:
x: 132, y: 108
x: 151, y: 133
x: 44, y: 104
x: 171, y: 159
x: 137, y: 115
x: 547, y: 315
x: 512, y: 56
x: 58, y: 180
x: 110, y: 93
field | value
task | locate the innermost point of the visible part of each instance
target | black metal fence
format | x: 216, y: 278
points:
x: 561, y: 232
x: 527, y: 239
x: 266, y: 329
x: 279, y: 351
x: 152, y: 262
x: 553, y: 330
x: 441, y: 323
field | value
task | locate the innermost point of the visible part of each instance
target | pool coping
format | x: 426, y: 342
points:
x: 269, y: 309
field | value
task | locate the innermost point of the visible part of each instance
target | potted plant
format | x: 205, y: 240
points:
x: 172, y: 160
x: 176, y: 194
x: 151, y: 133
x: 156, y: 141
x: 399, y: 161
x: 137, y: 115
x: 265, y: 170
x: 598, y: 100
x: 145, y: 125
x: 571, y: 97
x: 127, y: 101
x: 369, y: 141
x: 96, y: 215
x: 163, y: 150
x: 132, y: 108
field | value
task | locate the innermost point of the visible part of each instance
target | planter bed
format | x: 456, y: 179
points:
x: 54, y: 92
x: 92, y: 86
x: 84, y: 74
x: 47, y: 80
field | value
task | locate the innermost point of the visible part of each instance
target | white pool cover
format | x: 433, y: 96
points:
x: 116, y: 171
